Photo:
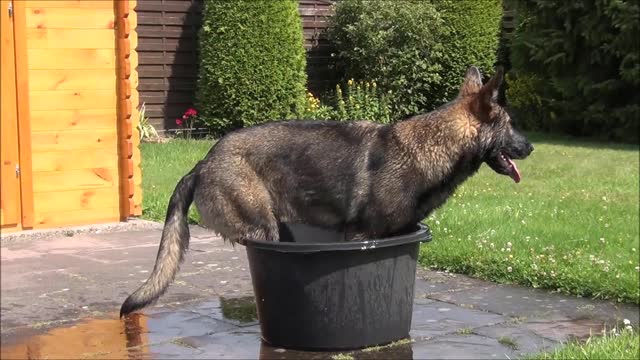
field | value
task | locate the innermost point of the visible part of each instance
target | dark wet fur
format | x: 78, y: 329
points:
x: 365, y: 179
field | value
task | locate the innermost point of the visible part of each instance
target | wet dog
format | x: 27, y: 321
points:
x: 364, y: 179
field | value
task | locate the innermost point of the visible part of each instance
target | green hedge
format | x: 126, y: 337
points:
x: 418, y: 50
x: 473, y: 38
x: 576, y: 67
x: 252, y: 63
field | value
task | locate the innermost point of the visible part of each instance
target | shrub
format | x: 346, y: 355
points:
x: 360, y: 100
x: 587, y: 57
x: 418, y: 50
x: 394, y: 43
x: 314, y: 110
x: 472, y: 39
x: 252, y: 63
x: 146, y: 131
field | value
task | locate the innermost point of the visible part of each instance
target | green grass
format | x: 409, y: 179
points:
x: 508, y: 342
x: 624, y: 344
x: 163, y: 164
x: 570, y: 225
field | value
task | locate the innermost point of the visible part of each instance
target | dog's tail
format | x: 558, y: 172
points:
x: 173, y: 245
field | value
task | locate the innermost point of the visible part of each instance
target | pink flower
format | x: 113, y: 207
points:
x: 191, y: 112
x: 179, y: 122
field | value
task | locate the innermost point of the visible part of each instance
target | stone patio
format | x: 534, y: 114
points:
x: 61, y: 292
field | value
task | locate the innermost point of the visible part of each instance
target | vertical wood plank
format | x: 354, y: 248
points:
x: 9, y: 150
x: 24, y: 120
x: 123, y: 52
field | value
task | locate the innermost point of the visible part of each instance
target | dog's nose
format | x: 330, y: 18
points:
x: 530, y: 148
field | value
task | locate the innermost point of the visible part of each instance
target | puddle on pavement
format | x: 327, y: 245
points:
x: 224, y: 328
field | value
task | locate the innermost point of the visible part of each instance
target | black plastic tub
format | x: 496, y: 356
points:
x: 314, y: 291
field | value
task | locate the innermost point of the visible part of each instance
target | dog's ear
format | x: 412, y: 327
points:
x: 472, y: 82
x: 489, y: 91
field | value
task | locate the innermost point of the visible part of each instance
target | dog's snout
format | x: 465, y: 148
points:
x: 529, y: 148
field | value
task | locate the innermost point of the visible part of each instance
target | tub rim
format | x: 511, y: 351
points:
x: 423, y: 234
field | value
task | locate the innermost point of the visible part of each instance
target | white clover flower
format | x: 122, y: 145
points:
x: 509, y: 244
x: 509, y: 269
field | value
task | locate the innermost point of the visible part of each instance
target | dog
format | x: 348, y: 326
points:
x: 365, y: 179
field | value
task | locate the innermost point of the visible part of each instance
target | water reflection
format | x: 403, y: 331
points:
x: 96, y: 338
x: 224, y: 328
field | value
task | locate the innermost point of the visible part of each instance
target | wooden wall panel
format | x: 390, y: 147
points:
x: 72, y: 79
x: 72, y: 59
x: 70, y: 38
x: 72, y: 71
x: 71, y: 200
x: 49, y: 120
x: 70, y: 18
x: 82, y: 159
x: 77, y: 217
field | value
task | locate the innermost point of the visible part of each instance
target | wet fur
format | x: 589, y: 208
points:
x: 368, y: 180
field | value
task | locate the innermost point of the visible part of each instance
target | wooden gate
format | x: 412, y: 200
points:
x: 16, y: 202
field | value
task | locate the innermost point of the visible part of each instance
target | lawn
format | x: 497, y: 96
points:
x: 570, y: 225
x: 616, y: 344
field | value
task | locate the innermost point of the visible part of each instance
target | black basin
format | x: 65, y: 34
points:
x: 314, y: 291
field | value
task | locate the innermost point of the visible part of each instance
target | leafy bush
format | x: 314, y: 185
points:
x: 360, y: 100
x: 418, y: 50
x: 146, y: 131
x: 472, y: 39
x: 314, y: 110
x: 252, y: 63
x: 587, y: 57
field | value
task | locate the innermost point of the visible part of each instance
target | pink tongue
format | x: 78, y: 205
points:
x: 515, y: 173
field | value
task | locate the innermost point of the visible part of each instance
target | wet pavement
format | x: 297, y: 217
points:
x: 61, y: 294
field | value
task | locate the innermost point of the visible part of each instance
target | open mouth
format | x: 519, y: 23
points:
x: 510, y: 167
x: 503, y: 164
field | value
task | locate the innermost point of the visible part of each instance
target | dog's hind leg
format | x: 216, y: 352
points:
x: 239, y: 214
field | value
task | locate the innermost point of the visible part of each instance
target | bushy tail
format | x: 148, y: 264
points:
x: 173, y: 245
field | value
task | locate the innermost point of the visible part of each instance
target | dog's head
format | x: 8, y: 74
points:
x: 500, y: 143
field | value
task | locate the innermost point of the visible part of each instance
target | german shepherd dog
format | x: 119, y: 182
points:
x: 364, y: 179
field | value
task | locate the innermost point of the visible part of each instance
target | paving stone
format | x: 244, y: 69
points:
x: 71, y: 288
x: 539, y: 304
x: 436, y: 281
x: 232, y: 345
x: 562, y: 331
x: 526, y: 340
x: 461, y: 347
x: 436, y: 319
